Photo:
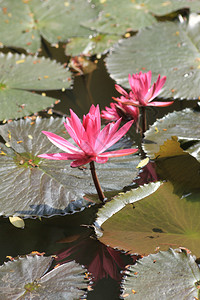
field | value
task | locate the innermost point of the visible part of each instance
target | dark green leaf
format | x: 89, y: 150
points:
x: 173, y: 274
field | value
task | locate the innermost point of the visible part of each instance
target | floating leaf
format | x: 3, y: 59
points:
x: 27, y: 278
x: 164, y: 7
x: 161, y: 219
x: 173, y: 274
x: 24, y: 22
x: 118, y: 17
x: 17, y: 222
x: 184, y: 124
x: 149, y: 51
x: 38, y: 187
x: 143, y: 162
x: 97, y: 44
x: 17, y: 80
x: 115, y: 205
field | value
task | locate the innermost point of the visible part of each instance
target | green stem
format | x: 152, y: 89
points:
x: 96, y: 182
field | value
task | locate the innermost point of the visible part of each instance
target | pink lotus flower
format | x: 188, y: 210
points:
x: 91, y: 140
x: 142, y: 93
x: 119, y: 110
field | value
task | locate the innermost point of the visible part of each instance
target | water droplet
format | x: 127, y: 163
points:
x: 186, y: 75
x: 183, y: 44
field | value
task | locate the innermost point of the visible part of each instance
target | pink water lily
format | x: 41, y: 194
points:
x: 117, y: 111
x: 142, y: 93
x: 90, y: 139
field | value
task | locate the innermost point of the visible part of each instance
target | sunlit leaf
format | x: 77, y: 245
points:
x: 143, y: 162
x: 173, y: 274
x: 23, y: 23
x: 161, y: 219
x: 183, y: 124
x: 17, y: 222
x: 170, y: 148
x: 22, y: 74
x: 149, y: 51
x: 33, y: 186
x: 178, y: 166
x: 27, y: 278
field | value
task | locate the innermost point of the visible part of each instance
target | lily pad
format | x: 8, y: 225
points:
x: 173, y: 274
x: 149, y: 51
x: 161, y: 219
x: 117, y: 17
x: 33, y: 186
x: 183, y: 124
x: 27, y: 278
x: 98, y: 44
x: 24, y: 22
x: 163, y: 7
x: 22, y: 74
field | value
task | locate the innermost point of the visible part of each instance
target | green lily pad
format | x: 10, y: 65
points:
x: 183, y: 124
x: 33, y: 186
x: 149, y: 51
x: 22, y: 74
x: 97, y: 44
x: 27, y: 278
x: 24, y: 22
x: 163, y: 7
x: 173, y: 274
x: 161, y: 219
x: 117, y: 17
